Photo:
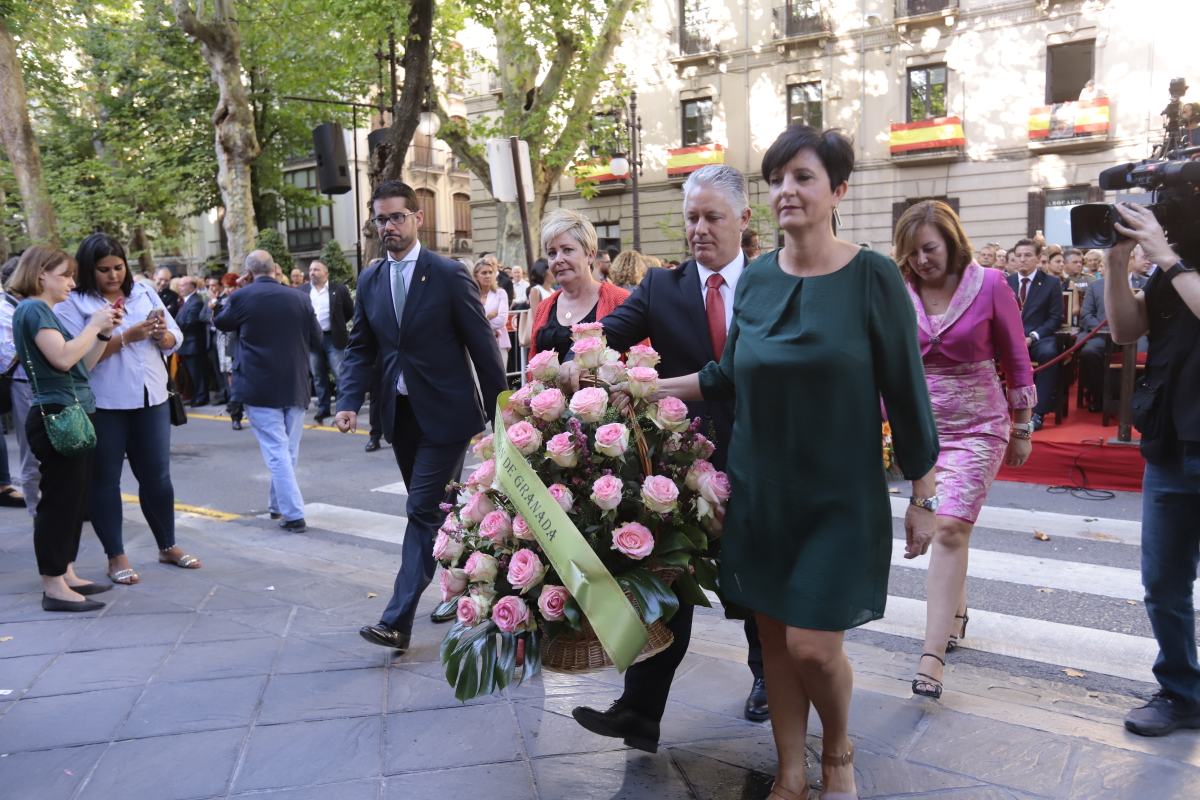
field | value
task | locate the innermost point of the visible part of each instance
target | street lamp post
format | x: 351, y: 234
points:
x: 631, y: 165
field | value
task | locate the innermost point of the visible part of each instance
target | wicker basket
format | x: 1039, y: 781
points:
x: 582, y: 652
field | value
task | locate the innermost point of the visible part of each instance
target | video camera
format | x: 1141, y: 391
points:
x: 1172, y: 177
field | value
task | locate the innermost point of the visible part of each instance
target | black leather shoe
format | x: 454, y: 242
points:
x: 1162, y: 715
x: 54, y: 604
x: 756, y: 704
x: 237, y: 424
x: 372, y: 446
x: 385, y: 636
x: 437, y: 618
x: 637, y: 731
x: 294, y: 525
x: 92, y: 588
x: 276, y: 515
x: 320, y: 418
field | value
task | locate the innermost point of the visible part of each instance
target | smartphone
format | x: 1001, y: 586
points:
x: 157, y: 313
x: 119, y: 305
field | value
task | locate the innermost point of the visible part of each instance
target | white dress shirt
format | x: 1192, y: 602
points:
x: 320, y: 301
x: 731, y: 272
x: 406, y: 266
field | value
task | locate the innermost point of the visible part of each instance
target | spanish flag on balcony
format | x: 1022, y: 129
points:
x: 929, y: 134
x: 685, y: 160
x: 1068, y: 120
x: 597, y: 171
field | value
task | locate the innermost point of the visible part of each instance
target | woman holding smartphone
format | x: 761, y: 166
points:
x: 132, y: 416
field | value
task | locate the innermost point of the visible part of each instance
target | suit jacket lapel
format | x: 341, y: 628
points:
x: 385, y: 309
x: 693, y: 303
x: 416, y: 290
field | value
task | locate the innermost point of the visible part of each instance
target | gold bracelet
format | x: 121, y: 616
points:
x: 1020, y: 435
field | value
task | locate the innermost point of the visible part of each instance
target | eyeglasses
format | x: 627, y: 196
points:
x: 399, y: 218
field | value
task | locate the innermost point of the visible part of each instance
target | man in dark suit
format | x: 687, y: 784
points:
x: 1091, y: 355
x: 193, y: 319
x: 334, y: 307
x: 686, y: 315
x: 421, y: 315
x: 162, y: 284
x: 1040, y: 297
x: 270, y: 375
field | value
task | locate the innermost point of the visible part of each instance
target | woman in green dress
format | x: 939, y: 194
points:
x: 822, y: 330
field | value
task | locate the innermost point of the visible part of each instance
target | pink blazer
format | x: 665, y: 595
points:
x: 982, y: 323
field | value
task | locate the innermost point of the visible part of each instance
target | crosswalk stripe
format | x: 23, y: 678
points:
x: 392, y: 488
x: 355, y: 522
x: 1019, y: 520
x: 1086, y: 649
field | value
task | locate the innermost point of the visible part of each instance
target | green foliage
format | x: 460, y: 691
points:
x: 653, y: 597
x: 340, y: 268
x: 269, y: 239
x: 481, y: 659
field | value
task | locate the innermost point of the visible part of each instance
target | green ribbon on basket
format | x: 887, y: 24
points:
x: 614, y: 619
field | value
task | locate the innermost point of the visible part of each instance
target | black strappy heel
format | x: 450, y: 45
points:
x: 952, y: 642
x: 927, y: 685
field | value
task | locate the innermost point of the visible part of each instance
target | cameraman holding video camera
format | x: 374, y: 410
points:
x: 1166, y: 408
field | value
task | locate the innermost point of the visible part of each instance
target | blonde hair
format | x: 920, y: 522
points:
x: 628, y: 268
x: 941, y: 217
x: 35, y: 262
x: 565, y: 220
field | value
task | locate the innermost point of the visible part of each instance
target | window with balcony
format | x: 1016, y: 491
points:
x: 899, y: 207
x: 697, y: 121
x: 693, y: 27
x: 308, y: 227
x: 919, y: 8
x: 1068, y: 68
x: 462, y: 216
x: 804, y: 104
x: 926, y: 92
x: 423, y: 153
x: 608, y: 235
x: 799, y: 18
x: 427, y: 203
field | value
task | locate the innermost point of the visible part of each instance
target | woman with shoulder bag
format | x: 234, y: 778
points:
x: 133, y: 415
x: 59, y: 427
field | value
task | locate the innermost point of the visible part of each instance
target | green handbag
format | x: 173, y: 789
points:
x: 70, y: 431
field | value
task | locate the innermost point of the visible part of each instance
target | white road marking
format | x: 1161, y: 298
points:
x: 392, y: 488
x: 355, y: 522
x: 1071, y: 526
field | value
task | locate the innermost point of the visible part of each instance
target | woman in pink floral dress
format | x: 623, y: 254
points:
x: 968, y: 320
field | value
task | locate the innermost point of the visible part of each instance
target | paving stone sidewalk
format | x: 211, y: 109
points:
x: 247, y: 679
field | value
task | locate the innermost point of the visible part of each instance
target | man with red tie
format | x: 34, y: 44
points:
x: 1040, y: 297
x: 685, y: 313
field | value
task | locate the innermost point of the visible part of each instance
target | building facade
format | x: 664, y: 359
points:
x: 984, y: 103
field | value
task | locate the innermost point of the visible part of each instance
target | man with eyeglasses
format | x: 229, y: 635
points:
x: 420, y: 314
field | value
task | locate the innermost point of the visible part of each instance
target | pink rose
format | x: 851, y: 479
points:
x: 526, y: 438
x: 447, y: 548
x: 606, y: 492
x: 478, y: 507
x: 525, y: 570
x: 692, y: 481
x: 642, y: 381
x: 702, y: 447
x: 612, y: 439
x: 452, y: 582
x: 510, y: 417
x: 472, y: 609
x: 483, y: 449
x: 589, y: 352
x: 510, y: 613
x: 589, y: 404
x: 496, y: 526
x: 659, y: 494
x: 641, y: 355
x: 519, y: 401
x: 669, y: 414
x: 552, y: 601
x: 587, y: 330
x: 544, y: 366
x: 548, y: 404
x: 714, y: 487
x: 562, y: 495
x: 634, y: 540
x: 674, y: 443
x: 484, y: 475
x: 521, y: 529
x: 612, y: 371
x: 480, y: 567
x: 562, y: 451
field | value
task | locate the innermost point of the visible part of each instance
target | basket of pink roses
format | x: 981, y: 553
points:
x: 632, y: 483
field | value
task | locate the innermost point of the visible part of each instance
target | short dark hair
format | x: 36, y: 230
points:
x: 537, y: 273
x: 1071, y: 251
x: 833, y: 148
x: 394, y: 188
x: 612, y: 252
x: 748, y: 237
x: 1037, y: 248
x: 8, y: 269
x: 91, y: 250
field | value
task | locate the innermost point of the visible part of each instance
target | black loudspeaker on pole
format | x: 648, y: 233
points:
x: 333, y: 173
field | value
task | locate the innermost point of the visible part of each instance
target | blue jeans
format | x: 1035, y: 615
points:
x: 1170, y: 552
x: 278, y: 431
x: 144, y: 434
x: 321, y: 362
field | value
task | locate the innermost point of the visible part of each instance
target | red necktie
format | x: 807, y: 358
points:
x: 714, y: 309
x: 1023, y: 293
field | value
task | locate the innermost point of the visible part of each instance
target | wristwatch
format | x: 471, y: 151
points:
x: 1177, y: 269
x: 927, y: 503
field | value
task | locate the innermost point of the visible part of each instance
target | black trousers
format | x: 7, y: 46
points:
x: 1046, y: 381
x: 196, y: 365
x: 375, y: 409
x: 64, y: 488
x: 427, y: 467
x: 648, y: 683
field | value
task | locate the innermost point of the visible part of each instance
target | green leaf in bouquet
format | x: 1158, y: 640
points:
x: 533, y: 655
x: 674, y: 541
x: 696, y: 535
x: 677, y: 558
x: 654, y: 598
x: 574, y: 616
x: 689, y: 591
x: 705, y: 572
x: 448, y: 607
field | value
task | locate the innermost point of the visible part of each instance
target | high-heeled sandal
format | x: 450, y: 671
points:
x: 846, y: 759
x: 927, y: 685
x: 952, y: 642
x: 787, y: 794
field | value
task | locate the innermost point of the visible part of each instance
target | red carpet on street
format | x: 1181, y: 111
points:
x: 1078, y: 453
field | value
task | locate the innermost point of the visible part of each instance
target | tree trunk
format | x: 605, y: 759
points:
x: 417, y: 62
x: 236, y: 143
x: 140, y: 246
x: 510, y: 248
x: 16, y: 134
x: 5, y: 248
